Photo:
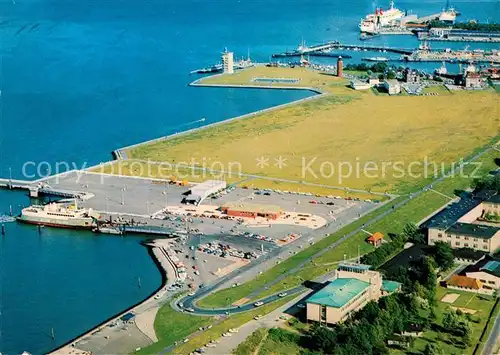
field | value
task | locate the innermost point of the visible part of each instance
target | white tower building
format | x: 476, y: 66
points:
x: 228, y: 62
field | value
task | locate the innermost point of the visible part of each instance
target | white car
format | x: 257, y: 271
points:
x: 257, y: 317
x: 282, y: 294
x: 227, y: 334
x: 211, y: 345
x: 301, y: 305
x: 233, y: 330
x: 191, y: 294
x: 258, y: 304
x: 189, y: 310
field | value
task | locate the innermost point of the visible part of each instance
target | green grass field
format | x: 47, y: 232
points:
x: 480, y: 303
x: 171, y: 326
x: 347, y: 139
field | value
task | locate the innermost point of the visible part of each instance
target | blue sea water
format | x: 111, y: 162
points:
x: 80, y: 78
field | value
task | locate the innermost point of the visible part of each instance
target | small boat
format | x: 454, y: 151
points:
x: 108, y: 230
x: 7, y: 219
x: 376, y: 59
x: 213, y: 69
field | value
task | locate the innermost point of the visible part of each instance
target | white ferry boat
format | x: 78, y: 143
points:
x: 372, y: 22
x: 59, y: 215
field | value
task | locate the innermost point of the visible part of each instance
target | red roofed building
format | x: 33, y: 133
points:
x: 376, y: 239
x: 464, y: 283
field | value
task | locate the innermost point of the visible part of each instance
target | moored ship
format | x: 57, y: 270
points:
x: 372, y: 22
x: 59, y: 215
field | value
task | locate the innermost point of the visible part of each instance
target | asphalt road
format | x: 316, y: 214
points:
x: 493, y: 338
x: 189, y: 302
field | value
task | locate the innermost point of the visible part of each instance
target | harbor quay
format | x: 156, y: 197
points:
x: 200, y: 251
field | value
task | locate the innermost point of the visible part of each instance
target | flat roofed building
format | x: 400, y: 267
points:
x: 467, y: 235
x: 336, y: 301
x: 354, y: 285
x: 360, y: 85
x: 252, y: 210
x: 389, y: 287
x: 201, y: 191
x: 492, y: 205
x: 487, y: 271
x: 392, y: 86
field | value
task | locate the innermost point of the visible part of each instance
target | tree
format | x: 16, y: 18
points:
x: 450, y: 321
x: 432, y: 349
x: 414, y: 234
x: 443, y: 255
x: 323, y: 339
x: 391, y: 75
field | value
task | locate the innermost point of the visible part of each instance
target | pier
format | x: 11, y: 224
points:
x: 14, y: 184
x: 37, y: 188
x: 334, y: 45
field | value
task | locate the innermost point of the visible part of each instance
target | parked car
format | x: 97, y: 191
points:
x: 258, y: 304
x: 282, y: 294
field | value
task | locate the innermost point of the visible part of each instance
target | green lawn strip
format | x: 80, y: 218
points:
x: 407, y: 186
x: 482, y: 304
x: 223, y: 297
x: 171, y: 326
x: 489, y: 327
x: 250, y: 345
x: 234, y: 321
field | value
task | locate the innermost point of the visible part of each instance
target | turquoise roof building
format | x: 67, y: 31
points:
x: 391, y: 286
x: 339, y: 292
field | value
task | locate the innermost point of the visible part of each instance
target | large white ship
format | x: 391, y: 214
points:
x: 372, y: 22
x: 59, y: 215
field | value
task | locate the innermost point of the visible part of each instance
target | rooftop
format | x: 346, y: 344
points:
x: 464, y: 281
x: 353, y: 266
x: 487, y: 264
x: 252, y: 207
x: 375, y: 237
x: 339, y: 292
x: 475, y: 230
x: 390, y: 286
x: 392, y: 82
x: 494, y: 199
x: 492, y: 267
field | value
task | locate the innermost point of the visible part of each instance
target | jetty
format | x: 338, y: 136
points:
x: 335, y: 45
x: 37, y: 188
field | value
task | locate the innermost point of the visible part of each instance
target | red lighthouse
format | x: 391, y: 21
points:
x: 340, y: 67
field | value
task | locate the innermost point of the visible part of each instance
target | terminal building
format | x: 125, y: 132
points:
x: 352, y: 288
x: 252, y: 210
x: 200, y: 192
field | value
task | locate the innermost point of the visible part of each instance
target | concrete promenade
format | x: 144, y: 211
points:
x: 117, y: 337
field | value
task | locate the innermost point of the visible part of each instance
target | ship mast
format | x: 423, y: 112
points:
x: 391, y: 4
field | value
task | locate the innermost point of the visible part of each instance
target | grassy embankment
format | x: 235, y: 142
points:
x: 234, y: 321
x: 337, y: 131
x: 171, y: 326
x: 252, y: 342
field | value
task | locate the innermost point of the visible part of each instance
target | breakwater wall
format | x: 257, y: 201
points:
x: 121, y: 153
